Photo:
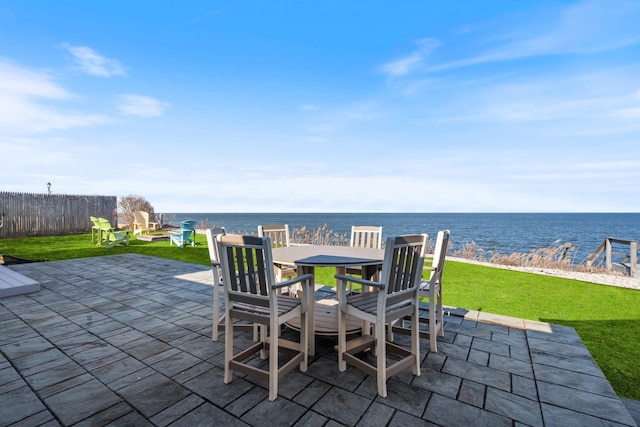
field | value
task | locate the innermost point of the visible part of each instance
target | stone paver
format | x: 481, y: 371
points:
x: 153, y: 394
x: 633, y: 406
x: 126, y: 340
x: 81, y: 401
x: 19, y: 404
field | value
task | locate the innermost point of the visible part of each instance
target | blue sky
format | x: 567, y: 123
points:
x: 333, y: 106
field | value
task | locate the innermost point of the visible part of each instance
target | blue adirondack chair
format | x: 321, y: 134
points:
x: 186, y: 235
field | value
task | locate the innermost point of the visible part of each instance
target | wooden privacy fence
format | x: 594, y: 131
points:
x: 28, y: 214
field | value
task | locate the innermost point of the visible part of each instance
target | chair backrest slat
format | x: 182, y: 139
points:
x: 278, y: 233
x: 214, y: 255
x: 402, y: 268
x: 437, y: 262
x: 366, y: 236
x: 261, y: 274
x: 229, y: 267
x: 188, y: 225
x: 105, y: 224
x: 212, y: 234
x: 440, y: 251
x: 245, y: 260
x: 141, y: 218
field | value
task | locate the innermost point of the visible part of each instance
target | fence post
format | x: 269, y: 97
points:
x: 607, y: 257
x: 633, y: 258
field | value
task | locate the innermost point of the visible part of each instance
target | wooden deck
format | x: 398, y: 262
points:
x: 13, y: 283
x: 152, y: 237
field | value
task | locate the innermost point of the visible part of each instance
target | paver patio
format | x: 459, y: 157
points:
x: 125, y: 340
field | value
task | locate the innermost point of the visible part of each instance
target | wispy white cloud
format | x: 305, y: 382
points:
x: 591, y: 103
x: 22, y: 81
x: 342, y: 117
x: 93, y: 63
x: 314, y: 139
x: 587, y: 27
x: 309, y: 107
x: 410, y: 87
x: 25, y: 102
x: 412, y: 61
x: 402, y: 66
x: 204, y: 16
x: 627, y: 113
x: 610, y: 166
x: 143, y: 106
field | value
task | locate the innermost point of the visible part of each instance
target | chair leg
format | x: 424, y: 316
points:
x: 228, y: 347
x: 264, y: 336
x: 216, y: 313
x: 415, y: 341
x: 273, y: 361
x: 342, y: 340
x: 381, y: 358
x: 440, y: 314
x: 432, y: 326
x: 304, y: 340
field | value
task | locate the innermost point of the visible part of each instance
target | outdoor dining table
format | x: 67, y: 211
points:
x: 324, y: 313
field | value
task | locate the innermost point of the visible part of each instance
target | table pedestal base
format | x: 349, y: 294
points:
x: 326, y: 319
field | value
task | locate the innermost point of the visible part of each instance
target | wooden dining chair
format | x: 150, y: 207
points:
x: 279, y: 235
x: 218, y: 318
x: 364, y: 236
x: 250, y: 294
x: 432, y: 289
x: 393, y: 298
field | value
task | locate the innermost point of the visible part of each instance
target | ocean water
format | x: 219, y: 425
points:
x: 501, y: 232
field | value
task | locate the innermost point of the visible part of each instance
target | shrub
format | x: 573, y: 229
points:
x: 131, y: 203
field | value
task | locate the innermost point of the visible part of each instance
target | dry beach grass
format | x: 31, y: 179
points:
x: 554, y: 260
x: 600, y: 277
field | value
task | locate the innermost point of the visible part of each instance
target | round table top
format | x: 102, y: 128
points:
x: 327, y: 256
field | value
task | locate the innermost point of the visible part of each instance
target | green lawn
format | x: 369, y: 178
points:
x: 606, y: 318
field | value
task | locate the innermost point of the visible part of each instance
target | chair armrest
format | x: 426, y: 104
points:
x: 365, y: 282
x: 430, y: 268
x: 292, y: 281
x: 343, y: 279
x: 308, y: 294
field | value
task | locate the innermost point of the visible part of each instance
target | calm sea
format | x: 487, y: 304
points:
x: 502, y: 232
